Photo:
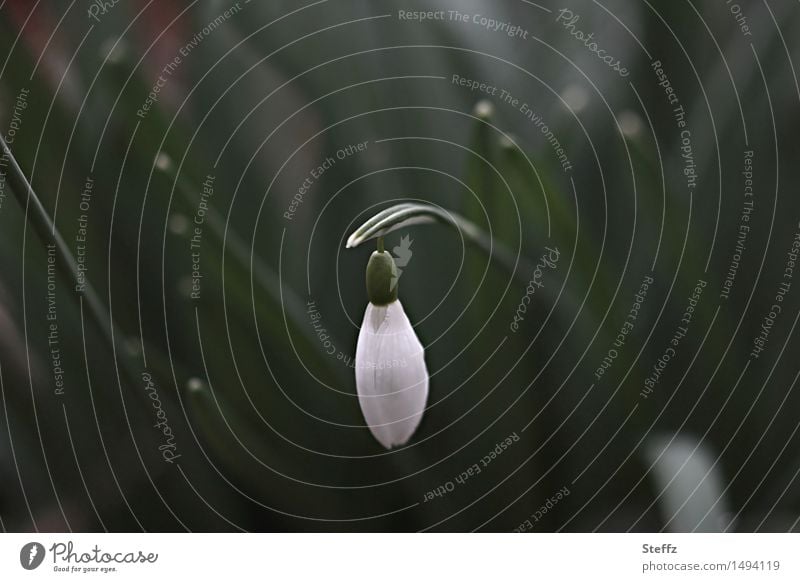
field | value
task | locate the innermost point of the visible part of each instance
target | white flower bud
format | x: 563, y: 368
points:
x: 391, y: 376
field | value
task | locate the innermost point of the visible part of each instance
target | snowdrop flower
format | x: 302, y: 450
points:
x: 391, y: 376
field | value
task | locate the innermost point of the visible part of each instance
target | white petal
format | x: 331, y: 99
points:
x: 391, y: 377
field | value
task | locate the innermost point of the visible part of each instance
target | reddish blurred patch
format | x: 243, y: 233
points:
x: 37, y: 23
x: 163, y: 24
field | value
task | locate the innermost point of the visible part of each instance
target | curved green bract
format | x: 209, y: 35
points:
x: 408, y: 214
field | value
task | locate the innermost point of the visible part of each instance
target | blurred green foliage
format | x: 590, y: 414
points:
x: 266, y: 421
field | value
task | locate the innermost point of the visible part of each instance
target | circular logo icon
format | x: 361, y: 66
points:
x: 31, y: 555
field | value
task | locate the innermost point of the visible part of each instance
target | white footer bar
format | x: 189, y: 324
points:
x: 401, y: 557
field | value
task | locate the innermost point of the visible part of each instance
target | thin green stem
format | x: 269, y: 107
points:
x: 67, y: 266
x: 381, y: 248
